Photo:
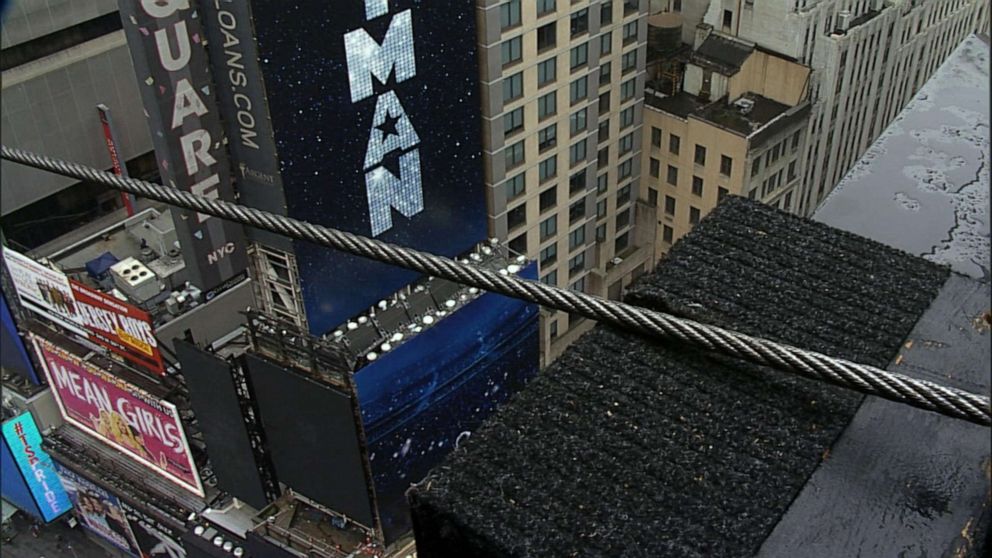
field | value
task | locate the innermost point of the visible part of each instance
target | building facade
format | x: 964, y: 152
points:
x: 562, y: 114
x: 869, y: 57
x: 59, y: 61
x: 737, y: 127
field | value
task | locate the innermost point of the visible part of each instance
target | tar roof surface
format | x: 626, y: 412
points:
x: 625, y: 447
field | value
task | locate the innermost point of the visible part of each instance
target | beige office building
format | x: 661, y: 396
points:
x: 563, y: 103
x: 736, y: 127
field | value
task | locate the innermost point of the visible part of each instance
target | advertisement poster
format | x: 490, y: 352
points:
x: 376, y: 122
x: 154, y: 539
x: 98, y: 510
x: 43, y: 290
x: 120, y: 414
x: 36, y: 465
x: 121, y: 328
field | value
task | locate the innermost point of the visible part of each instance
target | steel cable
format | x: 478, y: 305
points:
x: 859, y: 377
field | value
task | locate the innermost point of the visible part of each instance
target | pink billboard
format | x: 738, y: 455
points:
x: 120, y: 414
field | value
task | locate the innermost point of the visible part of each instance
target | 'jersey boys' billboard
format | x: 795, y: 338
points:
x: 166, y: 41
x: 376, y: 115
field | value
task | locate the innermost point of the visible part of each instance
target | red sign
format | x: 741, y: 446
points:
x: 124, y: 416
x: 118, y: 326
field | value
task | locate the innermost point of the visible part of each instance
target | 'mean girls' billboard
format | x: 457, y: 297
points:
x: 120, y: 414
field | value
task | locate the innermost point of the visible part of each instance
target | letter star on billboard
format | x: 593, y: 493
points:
x: 376, y: 115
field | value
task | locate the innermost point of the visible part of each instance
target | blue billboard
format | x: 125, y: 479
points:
x: 376, y: 114
x: 13, y: 356
x: 23, y: 440
x: 423, y: 398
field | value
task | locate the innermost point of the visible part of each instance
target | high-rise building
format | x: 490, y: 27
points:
x: 865, y: 60
x: 562, y: 107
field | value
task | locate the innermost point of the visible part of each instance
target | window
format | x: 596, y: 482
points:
x: 669, y: 205
x: 515, y: 186
x: 674, y: 144
x: 602, y: 183
x: 795, y: 140
x: 603, y: 157
x: 655, y: 167
x: 578, y: 90
x: 606, y: 13
x: 579, y: 56
x: 548, y: 199
x: 577, y: 153
x: 516, y: 216
x: 620, y: 244
x: 577, y: 182
x: 549, y: 255
x: 630, y: 32
x: 513, y: 121
x: 519, y: 244
x: 546, y: 37
x: 604, y: 102
x: 545, y: 7
x: 721, y: 193
x: 627, y: 117
x: 697, y: 186
x: 629, y: 62
x: 667, y: 234
x: 577, y: 264
x: 547, y: 138
x: 576, y: 211
x: 548, y: 168
x: 601, y: 208
x: 625, y: 169
x: 655, y: 136
x: 728, y: 19
x: 580, y: 22
x: 630, y: 6
x: 792, y: 171
x: 700, y: 157
x: 673, y: 176
x: 552, y: 279
x: 628, y: 89
x: 626, y: 144
x: 577, y: 121
x: 693, y: 215
x: 549, y: 227
x: 604, y: 73
x: 514, y: 155
x: 513, y: 87
x: 509, y: 14
x: 756, y: 166
x: 652, y: 197
x: 600, y: 234
x: 606, y: 43
x: 547, y: 105
x: 576, y: 238
x: 726, y: 165
x: 787, y: 205
x: 623, y: 195
x: 604, y: 131
x: 546, y: 72
x: 511, y: 51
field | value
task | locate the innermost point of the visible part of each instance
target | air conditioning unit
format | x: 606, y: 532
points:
x: 744, y: 105
x: 135, y: 280
x: 844, y: 21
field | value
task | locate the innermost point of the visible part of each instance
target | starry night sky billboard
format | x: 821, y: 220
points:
x: 424, y: 398
x: 376, y: 115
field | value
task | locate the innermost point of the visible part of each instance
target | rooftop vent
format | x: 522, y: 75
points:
x: 744, y: 105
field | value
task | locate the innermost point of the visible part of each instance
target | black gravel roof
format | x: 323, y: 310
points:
x: 629, y: 447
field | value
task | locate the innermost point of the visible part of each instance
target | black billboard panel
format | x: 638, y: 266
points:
x: 313, y: 438
x: 376, y: 114
x: 214, y: 398
x: 170, y: 61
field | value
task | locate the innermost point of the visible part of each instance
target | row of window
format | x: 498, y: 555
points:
x: 513, y: 85
x: 547, y: 137
x: 699, y: 155
x: 510, y: 14
x: 670, y: 208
